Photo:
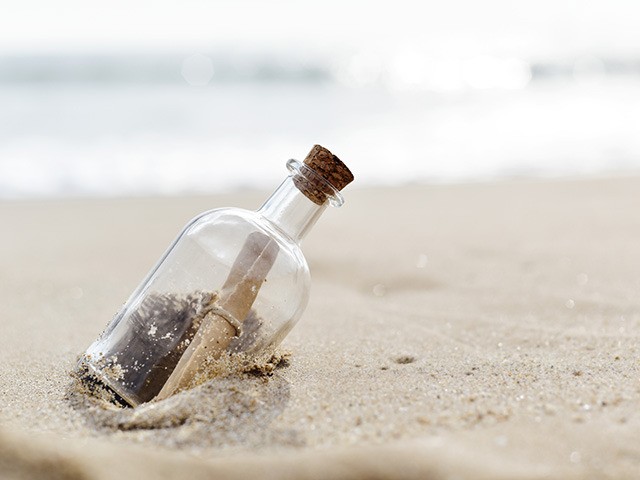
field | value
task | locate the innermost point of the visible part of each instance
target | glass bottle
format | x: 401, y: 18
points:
x: 234, y: 281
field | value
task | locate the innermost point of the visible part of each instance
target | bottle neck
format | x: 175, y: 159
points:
x: 291, y: 211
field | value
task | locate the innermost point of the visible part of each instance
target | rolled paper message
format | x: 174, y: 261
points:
x: 224, y: 322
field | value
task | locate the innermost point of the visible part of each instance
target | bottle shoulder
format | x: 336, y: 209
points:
x: 232, y: 222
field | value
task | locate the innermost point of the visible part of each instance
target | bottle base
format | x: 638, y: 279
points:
x: 94, y: 382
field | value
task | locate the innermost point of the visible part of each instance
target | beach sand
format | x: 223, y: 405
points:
x: 464, y: 331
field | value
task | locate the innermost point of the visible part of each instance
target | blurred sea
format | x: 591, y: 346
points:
x: 146, y: 125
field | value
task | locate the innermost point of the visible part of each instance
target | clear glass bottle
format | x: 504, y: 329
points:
x: 234, y: 281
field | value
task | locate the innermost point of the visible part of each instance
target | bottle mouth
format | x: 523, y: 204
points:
x: 331, y: 193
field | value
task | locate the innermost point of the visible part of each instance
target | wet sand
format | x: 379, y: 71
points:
x: 478, y: 331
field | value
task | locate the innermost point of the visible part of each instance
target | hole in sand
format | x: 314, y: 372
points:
x: 404, y: 359
x: 235, y: 408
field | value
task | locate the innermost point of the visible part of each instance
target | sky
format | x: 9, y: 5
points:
x: 530, y: 28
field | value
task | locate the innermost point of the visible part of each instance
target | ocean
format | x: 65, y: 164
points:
x: 78, y: 126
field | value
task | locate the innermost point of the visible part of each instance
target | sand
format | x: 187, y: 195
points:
x: 467, y: 331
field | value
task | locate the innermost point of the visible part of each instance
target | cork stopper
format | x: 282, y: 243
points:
x: 326, y: 175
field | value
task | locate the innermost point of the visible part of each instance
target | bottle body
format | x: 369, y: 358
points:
x: 138, y: 352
